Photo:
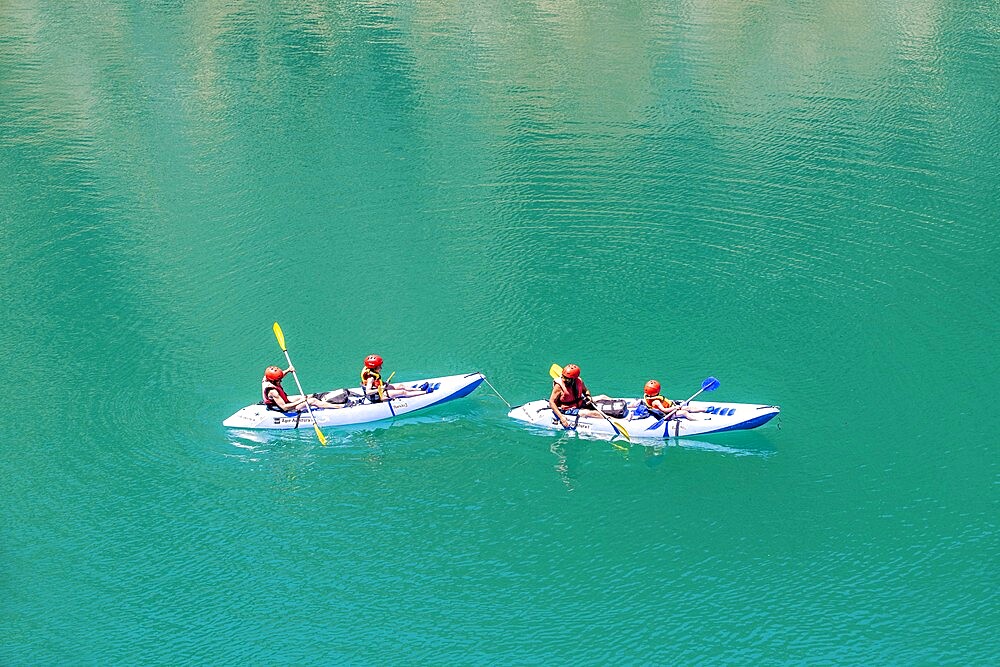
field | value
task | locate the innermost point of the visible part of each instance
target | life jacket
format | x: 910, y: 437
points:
x: 572, y: 395
x: 375, y: 376
x: 656, y: 412
x: 265, y: 389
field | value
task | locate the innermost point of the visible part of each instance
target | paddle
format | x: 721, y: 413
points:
x: 382, y: 394
x: 708, y: 384
x: 383, y: 385
x: 555, y: 372
x: 281, y: 342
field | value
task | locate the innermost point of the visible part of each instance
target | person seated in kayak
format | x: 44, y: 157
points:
x: 275, y: 397
x: 375, y: 389
x: 663, y: 408
x: 570, y: 395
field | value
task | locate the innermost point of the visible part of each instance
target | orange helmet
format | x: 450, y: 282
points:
x: 373, y: 361
x: 274, y: 373
x: 572, y: 371
x: 652, y: 388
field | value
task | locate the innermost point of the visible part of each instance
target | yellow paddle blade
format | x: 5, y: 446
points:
x: 280, y: 336
x: 555, y: 371
x: 622, y: 429
x: 319, y: 434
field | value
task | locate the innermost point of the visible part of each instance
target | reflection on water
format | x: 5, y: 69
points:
x: 562, y: 465
x: 763, y: 449
x: 651, y: 453
x: 347, y: 436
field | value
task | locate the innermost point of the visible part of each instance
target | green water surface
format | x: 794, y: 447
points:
x: 798, y: 198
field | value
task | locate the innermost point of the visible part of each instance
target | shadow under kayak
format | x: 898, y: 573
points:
x: 359, y: 410
x: 718, y: 417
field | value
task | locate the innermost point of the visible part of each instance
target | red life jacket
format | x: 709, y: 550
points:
x: 265, y: 389
x: 572, y: 394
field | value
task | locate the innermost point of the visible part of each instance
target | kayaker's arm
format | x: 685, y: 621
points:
x: 287, y: 406
x: 556, y: 393
x: 667, y: 411
x: 275, y: 396
x: 590, y: 399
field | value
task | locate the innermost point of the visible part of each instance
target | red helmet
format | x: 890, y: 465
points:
x: 572, y: 371
x: 652, y: 388
x: 373, y: 361
x: 274, y: 373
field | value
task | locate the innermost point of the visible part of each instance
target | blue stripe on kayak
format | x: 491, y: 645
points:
x: 464, y: 391
x: 461, y: 393
x: 742, y: 426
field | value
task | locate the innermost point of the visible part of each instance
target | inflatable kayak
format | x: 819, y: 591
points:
x: 718, y: 417
x: 358, y: 409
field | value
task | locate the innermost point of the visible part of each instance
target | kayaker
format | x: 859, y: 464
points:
x: 663, y: 408
x: 275, y: 397
x: 375, y: 388
x: 569, y: 395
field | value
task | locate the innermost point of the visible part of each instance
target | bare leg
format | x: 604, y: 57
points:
x: 317, y: 403
x: 397, y: 391
x: 313, y: 402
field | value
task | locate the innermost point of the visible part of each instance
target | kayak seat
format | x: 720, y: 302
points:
x: 613, y: 408
x: 337, y: 396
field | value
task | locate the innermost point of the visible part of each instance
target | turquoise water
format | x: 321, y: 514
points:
x: 797, y: 198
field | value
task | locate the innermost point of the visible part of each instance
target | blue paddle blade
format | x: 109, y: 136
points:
x: 710, y: 384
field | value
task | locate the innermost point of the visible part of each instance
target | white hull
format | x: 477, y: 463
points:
x: 446, y: 389
x: 720, y: 417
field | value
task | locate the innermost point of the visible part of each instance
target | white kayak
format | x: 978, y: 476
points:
x: 717, y: 417
x: 357, y: 409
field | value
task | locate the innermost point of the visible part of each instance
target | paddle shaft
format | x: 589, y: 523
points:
x: 619, y: 430
x: 710, y: 384
x: 695, y: 395
x: 295, y: 376
x: 280, y: 336
x: 383, y: 389
x: 705, y: 386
